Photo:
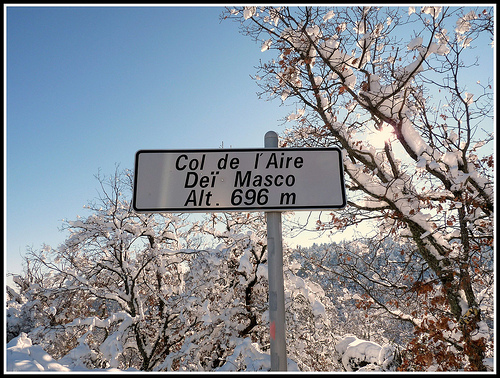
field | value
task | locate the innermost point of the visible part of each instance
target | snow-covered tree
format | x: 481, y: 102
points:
x: 113, y: 285
x: 161, y: 292
x: 231, y: 285
x: 352, y: 272
x: 391, y: 86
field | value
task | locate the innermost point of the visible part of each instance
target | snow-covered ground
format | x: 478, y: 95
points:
x: 22, y: 355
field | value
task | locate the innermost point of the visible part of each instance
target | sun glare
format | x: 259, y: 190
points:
x: 379, y: 137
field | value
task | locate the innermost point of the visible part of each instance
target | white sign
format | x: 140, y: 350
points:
x: 268, y: 179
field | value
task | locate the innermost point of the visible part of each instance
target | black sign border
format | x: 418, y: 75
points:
x: 242, y: 208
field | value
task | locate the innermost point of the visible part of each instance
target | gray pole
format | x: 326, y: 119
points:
x: 275, y: 276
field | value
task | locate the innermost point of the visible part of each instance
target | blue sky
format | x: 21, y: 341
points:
x: 88, y: 87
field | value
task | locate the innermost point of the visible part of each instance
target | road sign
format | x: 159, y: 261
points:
x: 215, y: 180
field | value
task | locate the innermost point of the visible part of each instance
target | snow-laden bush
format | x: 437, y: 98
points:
x: 362, y: 355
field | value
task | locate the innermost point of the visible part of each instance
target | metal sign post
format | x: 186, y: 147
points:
x: 275, y: 276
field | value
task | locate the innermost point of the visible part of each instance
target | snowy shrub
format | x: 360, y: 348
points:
x: 361, y: 355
